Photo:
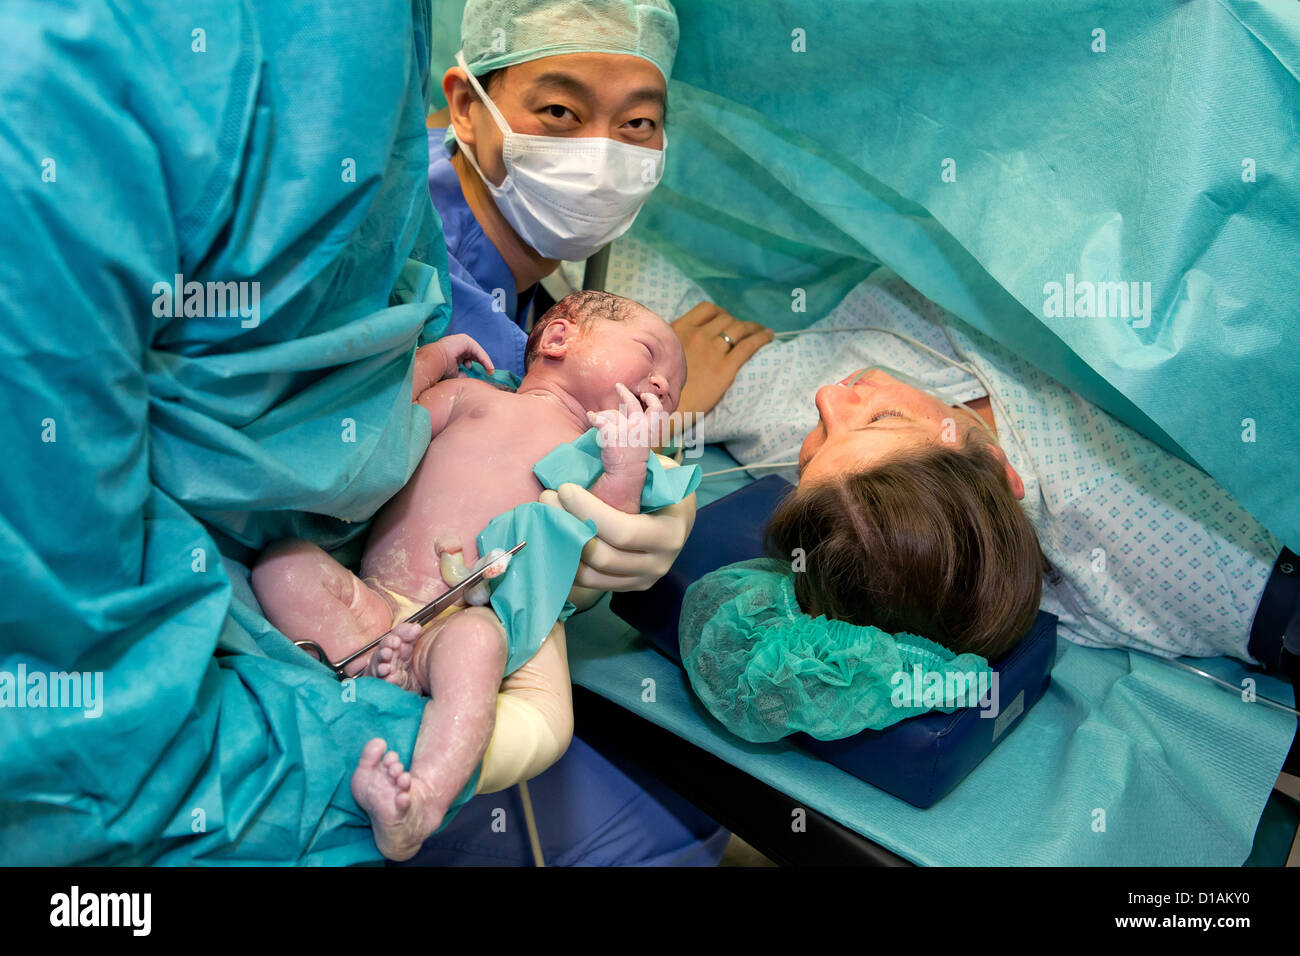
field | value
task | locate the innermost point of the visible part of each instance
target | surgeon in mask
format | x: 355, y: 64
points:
x: 554, y: 138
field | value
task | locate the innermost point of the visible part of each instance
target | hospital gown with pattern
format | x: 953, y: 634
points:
x: 1148, y: 551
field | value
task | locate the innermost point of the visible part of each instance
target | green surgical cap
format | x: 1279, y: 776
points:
x: 765, y: 669
x: 499, y: 33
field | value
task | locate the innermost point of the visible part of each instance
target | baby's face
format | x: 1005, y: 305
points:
x: 641, y: 351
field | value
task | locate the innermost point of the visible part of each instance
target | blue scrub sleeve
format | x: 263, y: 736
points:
x: 478, y: 316
x: 203, y: 734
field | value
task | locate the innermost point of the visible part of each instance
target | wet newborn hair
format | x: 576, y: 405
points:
x: 584, y: 308
x: 934, y: 544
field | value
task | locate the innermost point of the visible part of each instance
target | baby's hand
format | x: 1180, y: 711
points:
x: 459, y: 350
x: 443, y: 358
x: 624, y: 432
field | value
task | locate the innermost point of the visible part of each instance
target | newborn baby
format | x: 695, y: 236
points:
x: 581, y: 357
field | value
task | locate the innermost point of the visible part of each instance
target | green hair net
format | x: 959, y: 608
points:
x: 498, y: 33
x: 765, y: 669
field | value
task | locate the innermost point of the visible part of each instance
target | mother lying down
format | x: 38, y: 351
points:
x: 914, y: 515
x: 585, y: 358
x: 909, y: 515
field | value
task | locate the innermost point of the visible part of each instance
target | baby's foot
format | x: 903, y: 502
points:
x: 391, y: 660
x: 403, y: 810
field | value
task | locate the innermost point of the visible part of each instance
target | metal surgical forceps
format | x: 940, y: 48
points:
x: 423, y: 616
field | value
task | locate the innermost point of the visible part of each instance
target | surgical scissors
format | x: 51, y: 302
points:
x: 423, y: 616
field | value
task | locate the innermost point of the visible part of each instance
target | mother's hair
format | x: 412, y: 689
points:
x: 934, y: 544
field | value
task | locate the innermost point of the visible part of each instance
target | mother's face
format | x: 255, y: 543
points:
x: 617, y: 96
x: 876, y: 417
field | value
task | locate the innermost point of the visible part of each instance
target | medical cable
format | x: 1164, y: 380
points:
x: 766, y: 464
x: 1227, y: 685
x: 530, y: 824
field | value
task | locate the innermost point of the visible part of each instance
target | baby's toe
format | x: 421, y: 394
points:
x: 406, y: 633
x: 372, y: 752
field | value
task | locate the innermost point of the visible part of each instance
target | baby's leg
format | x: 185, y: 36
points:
x: 462, y: 662
x: 308, y: 595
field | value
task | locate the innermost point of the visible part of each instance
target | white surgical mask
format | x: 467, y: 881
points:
x: 567, y: 196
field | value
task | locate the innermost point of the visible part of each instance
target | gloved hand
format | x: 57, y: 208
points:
x: 630, y: 551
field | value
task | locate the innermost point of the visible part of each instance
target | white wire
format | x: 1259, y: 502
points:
x: 530, y: 823
x: 765, y: 464
x: 846, y: 328
x: 1227, y: 685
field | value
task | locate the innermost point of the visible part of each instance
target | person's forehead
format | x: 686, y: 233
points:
x: 663, y: 332
x: 616, y: 75
x: 674, y: 346
x: 636, y: 320
x: 870, y: 443
x: 645, y: 322
x: 658, y: 327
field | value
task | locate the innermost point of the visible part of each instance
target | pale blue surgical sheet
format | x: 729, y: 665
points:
x: 1127, y: 760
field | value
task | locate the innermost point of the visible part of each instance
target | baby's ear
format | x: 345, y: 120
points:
x: 557, y: 337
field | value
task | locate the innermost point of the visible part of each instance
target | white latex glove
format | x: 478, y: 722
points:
x: 630, y: 551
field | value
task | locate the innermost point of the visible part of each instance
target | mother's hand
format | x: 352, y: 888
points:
x: 711, y: 361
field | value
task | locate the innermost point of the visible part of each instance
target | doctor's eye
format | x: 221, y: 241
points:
x: 556, y: 111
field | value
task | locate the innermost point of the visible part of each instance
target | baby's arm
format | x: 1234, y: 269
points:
x: 534, y: 718
x: 442, y: 359
x: 625, y: 437
x: 440, y: 402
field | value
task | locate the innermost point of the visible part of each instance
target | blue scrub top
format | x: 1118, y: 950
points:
x: 484, y: 302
